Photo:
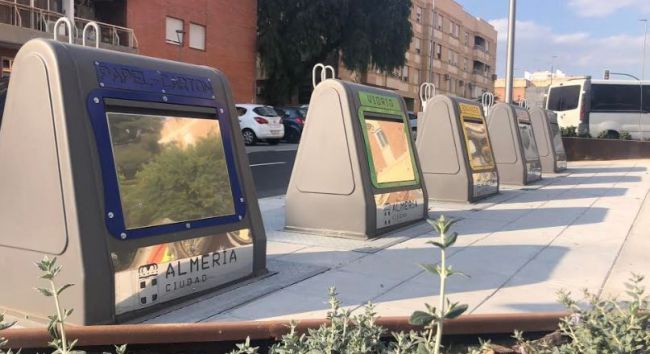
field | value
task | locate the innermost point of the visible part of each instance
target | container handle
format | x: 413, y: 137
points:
x: 68, y: 25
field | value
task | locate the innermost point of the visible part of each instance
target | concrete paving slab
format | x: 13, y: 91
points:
x: 282, y: 274
x: 583, y: 228
x: 322, y: 256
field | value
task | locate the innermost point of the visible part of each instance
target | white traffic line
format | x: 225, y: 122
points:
x: 268, y: 164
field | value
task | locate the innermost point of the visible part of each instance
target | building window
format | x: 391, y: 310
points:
x: 465, y: 64
x: 452, y: 58
x: 438, y: 51
x: 418, y: 45
x: 405, y: 73
x: 466, y: 38
x: 438, y: 21
x: 418, y: 14
x: 454, y: 29
x: 174, y: 31
x: 7, y: 63
x: 197, y: 36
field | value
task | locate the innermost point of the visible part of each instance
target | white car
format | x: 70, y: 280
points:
x: 258, y: 122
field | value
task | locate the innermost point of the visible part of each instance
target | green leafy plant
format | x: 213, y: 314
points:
x: 344, y: 333
x: 433, y: 318
x: 625, y: 135
x: 293, y: 35
x: 56, y: 326
x: 610, y: 134
x: 4, y: 325
x: 605, y: 326
x: 568, y: 131
x: 360, y: 333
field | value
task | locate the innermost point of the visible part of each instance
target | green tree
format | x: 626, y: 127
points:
x: 179, y: 184
x: 294, y: 35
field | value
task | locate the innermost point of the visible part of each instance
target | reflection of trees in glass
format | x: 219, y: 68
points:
x: 180, y: 184
x: 135, y: 141
x: 478, y: 145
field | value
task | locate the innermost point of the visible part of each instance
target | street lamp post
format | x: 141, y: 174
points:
x: 645, y: 36
x: 510, y: 60
x: 552, y: 67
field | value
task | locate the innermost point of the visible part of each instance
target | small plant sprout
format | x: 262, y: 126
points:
x: 4, y: 325
x: 56, y: 327
x: 432, y: 319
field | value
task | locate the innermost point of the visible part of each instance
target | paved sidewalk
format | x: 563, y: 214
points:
x: 587, y: 228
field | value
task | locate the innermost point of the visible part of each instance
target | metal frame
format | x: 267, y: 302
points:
x: 481, y: 120
x: 373, y: 174
x: 324, y: 73
x: 113, y: 215
x: 427, y: 92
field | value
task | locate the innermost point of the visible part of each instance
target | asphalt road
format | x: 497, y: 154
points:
x: 271, y: 167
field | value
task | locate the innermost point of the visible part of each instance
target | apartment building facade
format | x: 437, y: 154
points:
x: 450, y: 48
x: 216, y: 33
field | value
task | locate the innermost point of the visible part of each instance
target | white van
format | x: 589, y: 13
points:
x: 607, y: 107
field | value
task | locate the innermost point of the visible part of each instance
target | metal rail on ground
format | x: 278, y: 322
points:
x: 192, y: 333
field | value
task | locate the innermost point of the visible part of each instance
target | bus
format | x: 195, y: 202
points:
x: 605, y: 108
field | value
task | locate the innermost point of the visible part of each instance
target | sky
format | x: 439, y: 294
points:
x: 579, y: 37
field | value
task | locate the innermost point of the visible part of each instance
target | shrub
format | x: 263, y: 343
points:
x: 568, y: 131
x: 610, y: 134
x: 625, y: 135
x: 56, y: 326
x: 4, y: 325
x: 605, y: 326
x: 360, y: 334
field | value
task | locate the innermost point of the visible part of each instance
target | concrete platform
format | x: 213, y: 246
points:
x: 586, y: 228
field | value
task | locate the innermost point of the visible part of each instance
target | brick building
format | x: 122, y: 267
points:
x: 450, y: 47
x: 216, y: 33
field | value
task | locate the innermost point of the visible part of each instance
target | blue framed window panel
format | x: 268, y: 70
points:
x: 114, y: 214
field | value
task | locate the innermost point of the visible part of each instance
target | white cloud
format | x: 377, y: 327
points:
x: 570, y: 38
x: 577, y: 53
x: 600, y: 8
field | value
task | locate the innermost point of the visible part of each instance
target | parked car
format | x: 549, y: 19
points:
x: 258, y: 122
x: 293, y: 119
x: 4, y: 85
x: 413, y: 124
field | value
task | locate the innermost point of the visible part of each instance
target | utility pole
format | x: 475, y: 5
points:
x: 645, y: 37
x: 552, y: 67
x: 68, y: 9
x: 511, y: 50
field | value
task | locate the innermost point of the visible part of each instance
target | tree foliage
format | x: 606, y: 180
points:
x: 180, y: 184
x: 294, y: 35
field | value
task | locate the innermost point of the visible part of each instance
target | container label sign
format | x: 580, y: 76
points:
x: 160, y: 273
x: 399, y: 207
x: 485, y: 183
x: 470, y: 110
x: 477, y: 139
x: 533, y: 171
x: 382, y: 102
x: 118, y: 76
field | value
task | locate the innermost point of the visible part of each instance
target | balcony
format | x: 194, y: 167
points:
x: 20, y: 23
x: 481, y: 53
x: 480, y: 77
